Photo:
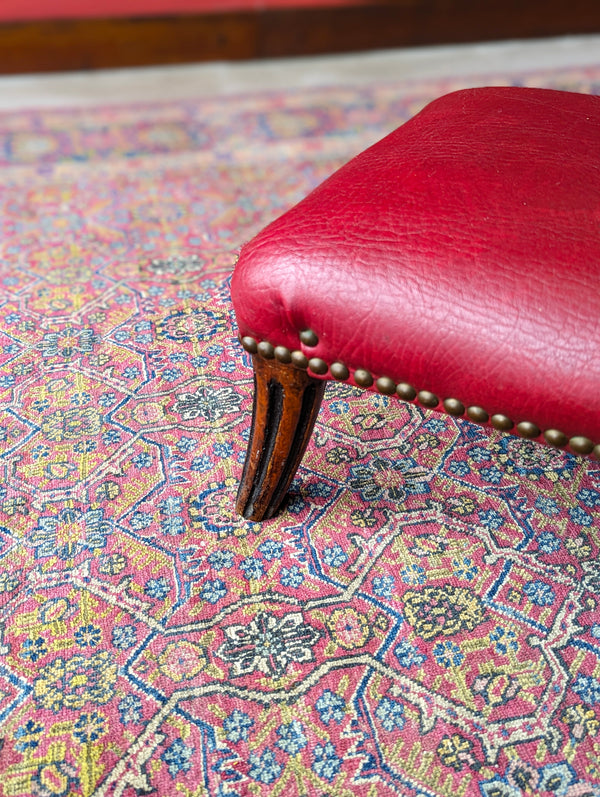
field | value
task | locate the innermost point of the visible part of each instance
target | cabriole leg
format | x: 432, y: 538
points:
x: 286, y: 405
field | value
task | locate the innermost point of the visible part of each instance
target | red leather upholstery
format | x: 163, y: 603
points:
x: 460, y: 254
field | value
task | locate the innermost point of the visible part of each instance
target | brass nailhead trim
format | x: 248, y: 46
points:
x: 318, y: 366
x: 386, y: 385
x: 427, y: 398
x: 501, y: 422
x: 556, y: 438
x: 581, y: 445
x: 339, y: 371
x: 308, y: 337
x: 362, y: 377
x: 477, y: 414
x: 283, y: 354
x: 300, y: 360
x: 249, y: 344
x: 454, y: 407
x: 266, y: 350
x: 406, y: 391
x: 527, y: 429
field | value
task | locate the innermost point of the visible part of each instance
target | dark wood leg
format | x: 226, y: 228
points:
x: 286, y: 405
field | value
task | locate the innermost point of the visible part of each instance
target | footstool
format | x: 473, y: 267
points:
x: 455, y: 264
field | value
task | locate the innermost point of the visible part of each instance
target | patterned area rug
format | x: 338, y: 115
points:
x: 421, y: 620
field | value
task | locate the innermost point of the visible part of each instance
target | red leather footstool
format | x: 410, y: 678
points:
x: 455, y: 263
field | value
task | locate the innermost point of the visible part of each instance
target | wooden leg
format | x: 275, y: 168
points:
x: 286, y: 405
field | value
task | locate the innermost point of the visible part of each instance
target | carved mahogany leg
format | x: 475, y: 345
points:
x: 286, y: 404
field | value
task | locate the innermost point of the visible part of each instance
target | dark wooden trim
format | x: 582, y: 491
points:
x: 92, y: 44
x: 286, y: 405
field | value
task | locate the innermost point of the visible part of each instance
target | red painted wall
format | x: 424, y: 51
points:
x: 21, y: 10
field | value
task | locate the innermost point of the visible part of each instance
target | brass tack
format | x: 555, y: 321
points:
x: 477, y: 414
x: 406, y: 391
x: 283, y: 354
x: 249, y: 344
x: 317, y: 365
x: 597, y: 452
x: 363, y: 378
x: 581, y: 445
x: 339, y: 371
x: 266, y: 350
x: 308, y: 337
x: 386, y: 385
x: 299, y: 359
x: 501, y: 422
x: 527, y: 429
x: 428, y: 399
x: 454, y: 407
x: 556, y: 438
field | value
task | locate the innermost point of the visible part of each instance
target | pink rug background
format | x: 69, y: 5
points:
x: 152, y: 642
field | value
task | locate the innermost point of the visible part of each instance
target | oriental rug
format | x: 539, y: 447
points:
x: 421, y: 620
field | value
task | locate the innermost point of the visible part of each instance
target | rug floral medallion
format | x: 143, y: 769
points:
x: 422, y: 620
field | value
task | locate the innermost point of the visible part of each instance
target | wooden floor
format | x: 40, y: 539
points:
x: 92, y: 44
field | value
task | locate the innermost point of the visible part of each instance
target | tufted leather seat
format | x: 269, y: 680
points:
x: 455, y: 263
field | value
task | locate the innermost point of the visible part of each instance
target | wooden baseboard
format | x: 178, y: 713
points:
x: 104, y: 43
